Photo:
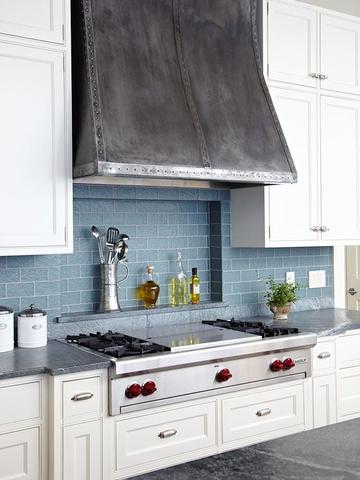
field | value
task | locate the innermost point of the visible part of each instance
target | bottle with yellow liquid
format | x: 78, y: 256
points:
x: 178, y: 285
x: 194, y: 287
x: 149, y: 290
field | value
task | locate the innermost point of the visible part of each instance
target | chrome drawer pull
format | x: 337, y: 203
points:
x: 324, y: 355
x: 78, y: 397
x: 167, y: 433
x: 262, y: 413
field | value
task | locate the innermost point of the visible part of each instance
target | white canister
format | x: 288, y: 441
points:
x: 6, y: 329
x: 32, y: 328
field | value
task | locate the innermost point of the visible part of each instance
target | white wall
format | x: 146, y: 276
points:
x: 352, y: 7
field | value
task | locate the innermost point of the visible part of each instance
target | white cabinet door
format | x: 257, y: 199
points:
x: 292, y: 43
x: 37, y: 19
x: 324, y: 400
x: 348, y: 393
x: 340, y: 168
x: 82, y: 453
x: 20, y: 455
x: 340, y: 54
x: 298, y: 116
x: 35, y: 176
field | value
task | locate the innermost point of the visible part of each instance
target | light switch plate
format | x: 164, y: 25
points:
x: 290, y: 277
x: 317, y: 279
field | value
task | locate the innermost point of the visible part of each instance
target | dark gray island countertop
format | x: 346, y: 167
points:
x: 55, y: 359
x: 328, y: 453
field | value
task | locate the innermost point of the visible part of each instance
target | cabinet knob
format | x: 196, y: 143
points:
x: 323, y: 77
x: 78, y: 397
x: 324, y: 229
x: 314, y: 75
x: 167, y: 433
x: 352, y: 291
x: 324, y: 355
x: 263, y: 412
x: 315, y: 228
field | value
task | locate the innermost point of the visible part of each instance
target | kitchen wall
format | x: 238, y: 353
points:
x: 159, y: 222
x: 351, y: 7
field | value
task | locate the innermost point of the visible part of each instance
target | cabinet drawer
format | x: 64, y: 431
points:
x: 20, y: 402
x: 266, y: 412
x: 81, y: 397
x: 158, y: 436
x: 37, y: 19
x: 349, y: 393
x: 20, y: 455
x: 323, y: 356
x: 348, y: 351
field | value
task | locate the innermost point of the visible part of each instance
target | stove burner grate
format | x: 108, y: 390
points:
x: 115, y: 344
x: 257, y: 328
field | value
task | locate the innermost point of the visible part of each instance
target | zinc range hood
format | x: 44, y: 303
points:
x: 173, y: 89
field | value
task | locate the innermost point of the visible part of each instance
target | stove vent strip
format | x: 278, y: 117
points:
x: 185, y: 77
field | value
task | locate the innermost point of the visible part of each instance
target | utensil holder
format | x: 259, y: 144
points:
x: 109, y: 300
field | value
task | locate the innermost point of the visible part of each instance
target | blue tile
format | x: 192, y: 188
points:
x: 79, y: 284
x: 40, y: 302
x: 47, y: 288
x: 16, y: 262
x: 124, y: 192
x: 33, y: 274
x: 72, y: 298
x: 19, y: 289
x: 9, y: 275
x: 101, y: 191
x: 81, y: 191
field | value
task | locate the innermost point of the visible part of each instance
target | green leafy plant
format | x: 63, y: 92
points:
x: 280, y: 293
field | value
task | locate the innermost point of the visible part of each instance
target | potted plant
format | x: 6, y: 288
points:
x: 280, y: 296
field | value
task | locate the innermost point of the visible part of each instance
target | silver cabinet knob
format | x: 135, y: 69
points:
x: 263, y: 412
x: 352, y: 291
x: 314, y: 75
x: 79, y: 397
x: 324, y: 229
x: 324, y: 355
x: 315, y: 228
x: 167, y: 433
x: 323, y: 77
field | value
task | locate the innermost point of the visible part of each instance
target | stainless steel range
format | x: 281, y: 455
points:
x: 162, y: 365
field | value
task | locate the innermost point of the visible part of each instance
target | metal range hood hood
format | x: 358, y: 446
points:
x: 173, y: 89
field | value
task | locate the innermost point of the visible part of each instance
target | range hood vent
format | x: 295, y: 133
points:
x: 173, y: 89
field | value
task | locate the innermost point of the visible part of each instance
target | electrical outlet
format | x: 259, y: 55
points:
x: 290, y: 277
x: 317, y: 279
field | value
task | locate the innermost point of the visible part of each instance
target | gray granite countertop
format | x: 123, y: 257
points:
x: 325, y: 322
x: 329, y: 453
x: 55, y: 359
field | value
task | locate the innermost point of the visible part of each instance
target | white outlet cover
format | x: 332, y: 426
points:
x: 317, y: 279
x: 290, y: 277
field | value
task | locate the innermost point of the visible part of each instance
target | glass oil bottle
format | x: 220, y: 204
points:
x: 149, y: 290
x: 178, y: 285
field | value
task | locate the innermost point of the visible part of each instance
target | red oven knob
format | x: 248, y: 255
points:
x: 288, y: 363
x: 148, y: 388
x: 223, y: 375
x: 277, y: 366
x: 133, y: 390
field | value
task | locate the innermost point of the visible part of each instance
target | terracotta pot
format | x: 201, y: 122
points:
x: 280, y: 312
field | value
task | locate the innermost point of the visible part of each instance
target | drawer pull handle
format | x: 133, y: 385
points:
x: 263, y: 412
x: 78, y: 397
x: 324, y: 355
x: 3, y: 326
x: 167, y: 433
x: 37, y: 326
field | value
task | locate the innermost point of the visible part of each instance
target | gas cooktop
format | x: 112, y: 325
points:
x: 256, y: 328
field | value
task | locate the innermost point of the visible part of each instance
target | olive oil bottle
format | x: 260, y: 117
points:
x: 194, y: 287
x: 149, y: 290
x: 178, y: 285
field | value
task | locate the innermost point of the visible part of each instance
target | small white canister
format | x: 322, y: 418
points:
x: 32, y: 328
x: 6, y: 329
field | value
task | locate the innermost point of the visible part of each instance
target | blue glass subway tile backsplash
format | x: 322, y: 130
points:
x: 159, y: 222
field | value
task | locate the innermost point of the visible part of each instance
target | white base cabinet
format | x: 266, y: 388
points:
x: 324, y: 400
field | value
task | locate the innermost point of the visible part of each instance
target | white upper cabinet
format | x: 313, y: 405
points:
x: 33, y: 171
x: 292, y: 44
x: 340, y: 54
x: 340, y: 168
x: 36, y: 19
x: 297, y: 112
